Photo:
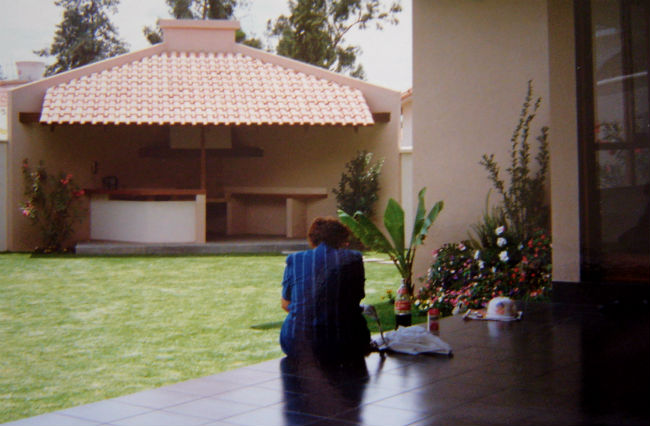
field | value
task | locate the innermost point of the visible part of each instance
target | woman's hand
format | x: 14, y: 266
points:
x: 285, y: 304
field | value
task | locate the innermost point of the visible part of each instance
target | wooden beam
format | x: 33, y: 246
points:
x: 144, y: 191
x: 29, y: 117
x: 381, y: 117
x: 163, y: 151
x: 204, y: 157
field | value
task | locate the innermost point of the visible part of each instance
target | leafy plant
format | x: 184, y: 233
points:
x: 394, y: 246
x: 51, y: 204
x: 357, y: 190
x: 390, y: 296
x: 523, y: 199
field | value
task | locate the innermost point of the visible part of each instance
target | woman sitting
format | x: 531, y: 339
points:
x: 321, y: 291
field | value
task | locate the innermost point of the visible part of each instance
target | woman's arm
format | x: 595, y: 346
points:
x: 285, y: 304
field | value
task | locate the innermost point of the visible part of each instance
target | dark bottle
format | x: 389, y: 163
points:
x: 402, y: 307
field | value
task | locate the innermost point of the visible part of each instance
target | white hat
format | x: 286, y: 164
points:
x: 502, y: 308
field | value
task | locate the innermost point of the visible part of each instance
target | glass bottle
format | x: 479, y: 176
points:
x: 402, y: 307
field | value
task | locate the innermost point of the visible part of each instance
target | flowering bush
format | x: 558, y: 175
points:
x: 453, y: 265
x: 510, y: 254
x: 51, y: 204
x: 390, y: 296
x: 474, y: 276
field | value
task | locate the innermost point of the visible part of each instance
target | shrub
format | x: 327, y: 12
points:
x: 52, y: 205
x: 359, y: 185
x: 523, y: 199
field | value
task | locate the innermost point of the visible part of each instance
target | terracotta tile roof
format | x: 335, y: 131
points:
x: 203, y: 88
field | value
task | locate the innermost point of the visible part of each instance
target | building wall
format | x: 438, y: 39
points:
x: 406, y: 165
x: 3, y: 168
x: 472, y: 61
x: 3, y: 195
x: 565, y: 193
x: 312, y: 157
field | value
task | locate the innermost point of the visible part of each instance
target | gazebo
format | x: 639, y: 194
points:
x: 201, y: 136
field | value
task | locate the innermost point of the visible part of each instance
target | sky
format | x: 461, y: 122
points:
x: 28, y: 25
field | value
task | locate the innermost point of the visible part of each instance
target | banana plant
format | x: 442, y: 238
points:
x: 401, y: 255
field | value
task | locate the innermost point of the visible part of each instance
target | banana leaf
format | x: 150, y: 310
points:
x: 374, y: 239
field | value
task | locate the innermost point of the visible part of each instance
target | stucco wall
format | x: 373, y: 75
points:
x: 406, y: 165
x: 565, y: 194
x: 309, y: 157
x: 472, y: 61
x: 3, y: 196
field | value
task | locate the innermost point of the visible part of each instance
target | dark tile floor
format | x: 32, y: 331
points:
x: 568, y: 365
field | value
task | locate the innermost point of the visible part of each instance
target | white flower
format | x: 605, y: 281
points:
x: 500, y: 230
x: 501, y: 241
x: 494, y: 269
x: 504, y: 256
x: 461, y: 247
x: 481, y: 264
x: 477, y: 254
x: 520, y: 246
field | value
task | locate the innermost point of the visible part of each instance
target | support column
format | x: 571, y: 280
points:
x: 296, y: 218
x: 200, y: 218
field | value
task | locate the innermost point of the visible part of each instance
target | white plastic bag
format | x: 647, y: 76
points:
x: 413, y: 340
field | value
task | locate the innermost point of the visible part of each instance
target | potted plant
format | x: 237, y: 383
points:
x: 394, y: 245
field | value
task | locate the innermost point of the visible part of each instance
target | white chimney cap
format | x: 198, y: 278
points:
x: 30, y: 70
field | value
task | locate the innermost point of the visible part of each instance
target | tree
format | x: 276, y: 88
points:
x: 357, y: 190
x: 201, y: 9
x: 85, y: 35
x: 315, y: 29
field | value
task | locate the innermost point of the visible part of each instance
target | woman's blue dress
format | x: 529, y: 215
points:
x: 325, y: 287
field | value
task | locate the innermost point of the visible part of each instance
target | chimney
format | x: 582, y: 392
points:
x: 189, y: 35
x: 30, y: 70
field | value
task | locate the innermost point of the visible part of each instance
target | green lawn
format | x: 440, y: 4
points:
x: 74, y: 330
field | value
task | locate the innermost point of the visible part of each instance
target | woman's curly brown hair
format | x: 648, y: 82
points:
x: 328, y: 230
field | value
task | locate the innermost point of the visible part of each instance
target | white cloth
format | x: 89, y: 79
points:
x: 413, y: 340
x: 479, y: 315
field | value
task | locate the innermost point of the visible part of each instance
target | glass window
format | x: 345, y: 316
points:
x: 617, y: 156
